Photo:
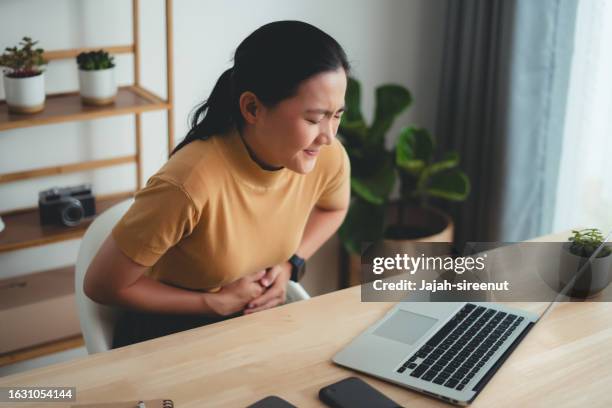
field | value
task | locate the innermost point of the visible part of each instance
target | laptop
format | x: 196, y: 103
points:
x: 447, y: 350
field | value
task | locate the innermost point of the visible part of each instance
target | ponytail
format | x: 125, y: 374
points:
x: 214, y: 115
x: 271, y: 62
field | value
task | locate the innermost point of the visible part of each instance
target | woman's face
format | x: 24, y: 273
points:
x: 292, y: 133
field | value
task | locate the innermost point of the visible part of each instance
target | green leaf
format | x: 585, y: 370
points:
x: 376, y: 186
x: 391, y: 100
x: 451, y: 185
x: 23, y: 61
x: 414, y: 150
x: 450, y: 160
x: 364, y: 223
x: 352, y: 100
x: 354, y: 132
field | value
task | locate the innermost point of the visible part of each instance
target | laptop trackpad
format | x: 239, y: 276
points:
x: 406, y: 327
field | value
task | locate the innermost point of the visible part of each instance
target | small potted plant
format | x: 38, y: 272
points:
x: 97, y: 77
x: 24, y: 80
x: 592, y: 277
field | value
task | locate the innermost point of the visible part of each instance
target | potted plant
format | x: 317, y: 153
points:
x: 372, y: 215
x: 372, y: 167
x: 24, y: 81
x: 97, y: 77
x: 592, y: 277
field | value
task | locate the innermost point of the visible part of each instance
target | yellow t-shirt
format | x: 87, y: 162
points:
x: 212, y: 215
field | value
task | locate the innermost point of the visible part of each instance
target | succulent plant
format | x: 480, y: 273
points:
x: 95, y: 60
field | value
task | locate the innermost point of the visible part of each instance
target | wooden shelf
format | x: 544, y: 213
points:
x: 66, y: 168
x: 23, y: 229
x: 47, y: 296
x: 67, y: 107
x: 73, y: 52
x: 48, y: 284
x: 42, y: 350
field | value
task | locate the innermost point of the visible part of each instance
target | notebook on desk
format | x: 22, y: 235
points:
x: 157, y: 403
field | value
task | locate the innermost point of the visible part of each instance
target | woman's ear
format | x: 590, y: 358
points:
x: 250, y: 107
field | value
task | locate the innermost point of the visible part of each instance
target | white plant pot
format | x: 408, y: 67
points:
x: 98, y: 87
x: 25, y: 95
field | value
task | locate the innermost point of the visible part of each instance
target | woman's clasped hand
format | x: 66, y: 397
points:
x: 252, y: 293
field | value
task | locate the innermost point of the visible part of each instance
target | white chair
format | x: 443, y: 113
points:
x: 98, y: 321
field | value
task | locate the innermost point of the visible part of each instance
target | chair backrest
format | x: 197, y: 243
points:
x: 296, y: 292
x: 98, y: 321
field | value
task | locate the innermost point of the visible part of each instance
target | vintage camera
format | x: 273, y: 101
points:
x: 66, y: 206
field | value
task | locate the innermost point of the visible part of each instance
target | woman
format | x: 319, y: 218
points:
x: 258, y: 185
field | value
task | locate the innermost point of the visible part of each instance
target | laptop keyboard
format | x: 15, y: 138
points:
x: 462, y: 346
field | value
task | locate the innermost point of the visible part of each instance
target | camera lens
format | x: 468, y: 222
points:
x: 72, y: 213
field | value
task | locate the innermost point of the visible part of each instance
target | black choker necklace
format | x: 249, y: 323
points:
x: 260, y: 163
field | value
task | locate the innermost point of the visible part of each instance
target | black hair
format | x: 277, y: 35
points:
x: 271, y: 62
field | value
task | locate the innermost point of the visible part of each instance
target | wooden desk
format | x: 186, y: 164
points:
x: 565, y: 361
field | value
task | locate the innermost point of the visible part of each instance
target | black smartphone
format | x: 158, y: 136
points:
x: 272, y: 402
x: 353, y: 392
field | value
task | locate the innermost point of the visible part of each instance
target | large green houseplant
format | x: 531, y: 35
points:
x: 375, y: 169
x: 372, y: 164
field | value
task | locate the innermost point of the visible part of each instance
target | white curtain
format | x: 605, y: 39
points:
x: 584, y: 191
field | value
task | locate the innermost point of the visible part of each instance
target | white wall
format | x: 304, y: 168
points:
x: 386, y: 41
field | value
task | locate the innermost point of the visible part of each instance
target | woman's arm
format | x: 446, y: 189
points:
x: 114, y: 279
x: 320, y: 226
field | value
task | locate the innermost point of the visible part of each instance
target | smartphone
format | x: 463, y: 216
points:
x: 353, y: 392
x: 272, y: 402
